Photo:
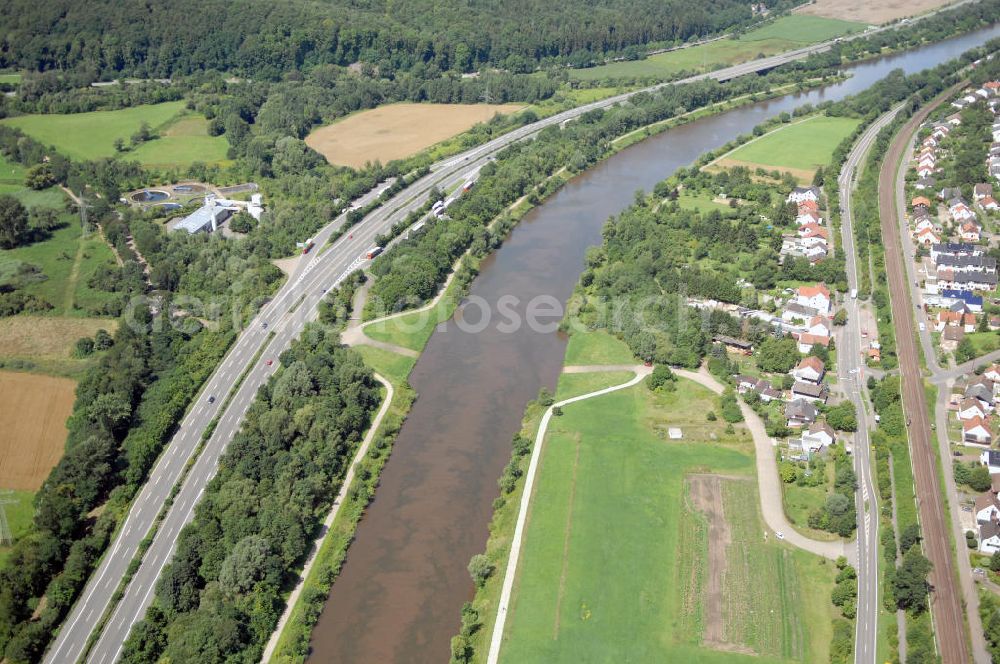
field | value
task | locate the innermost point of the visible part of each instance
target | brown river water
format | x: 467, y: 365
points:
x: 399, y: 595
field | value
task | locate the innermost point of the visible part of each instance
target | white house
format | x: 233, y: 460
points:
x: 989, y: 538
x: 987, y: 507
x: 975, y: 431
x: 800, y: 194
x: 817, y: 297
x: 820, y: 326
x: 970, y: 408
x: 991, y: 459
x: 810, y: 370
x: 819, y: 436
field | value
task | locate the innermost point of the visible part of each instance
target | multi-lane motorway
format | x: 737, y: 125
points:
x: 292, y: 307
x: 851, y: 366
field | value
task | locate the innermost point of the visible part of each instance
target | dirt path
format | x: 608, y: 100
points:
x: 771, y: 505
x: 705, y: 492
x: 293, y: 598
x: 69, y: 297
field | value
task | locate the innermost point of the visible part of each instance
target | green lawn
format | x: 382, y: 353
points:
x: 702, y: 202
x: 10, y: 79
x: 801, y: 146
x: 19, y: 514
x: 393, y: 366
x: 984, y: 342
x: 412, y: 330
x: 784, y: 34
x: 12, y: 177
x: 575, y: 384
x: 597, y: 347
x: 183, y: 138
x: 801, y: 500
x: 68, y: 260
x: 609, y: 566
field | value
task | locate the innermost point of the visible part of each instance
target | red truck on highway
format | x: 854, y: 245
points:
x: 373, y: 252
x: 307, y: 245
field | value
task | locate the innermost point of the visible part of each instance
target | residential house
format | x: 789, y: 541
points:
x: 976, y: 431
x: 969, y: 232
x: 951, y: 337
x: 981, y: 191
x: 920, y: 202
x: 927, y: 237
x: 819, y: 436
x: 925, y: 183
x: 812, y: 230
x: 817, y: 297
x: 949, y: 193
x: 733, y: 344
x: 989, y: 538
x: 988, y: 203
x: 809, y: 370
x: 955, y: 249
x: 808, y: 217
x: 969, y: 408
x: 807, y: 341
x: 820, y: 326
x: 971, y: 302
x: 800, y: 194
x: 810, y: 391
x: 987, y: 507
x: 992, y: 373
x: 991, y: 459
x: 800, y: 412
x: 794, y: 312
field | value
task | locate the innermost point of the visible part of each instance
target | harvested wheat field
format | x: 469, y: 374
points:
x: 33, y: 412
x: 865, y: 11
x: 396, y: 131
x: 47, y: 337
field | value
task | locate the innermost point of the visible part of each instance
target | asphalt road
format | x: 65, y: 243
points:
x: 851, y: 366
x: 293, y: 306
x: 946, y: 606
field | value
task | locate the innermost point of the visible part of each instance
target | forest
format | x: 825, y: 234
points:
x: 106, y: 38
x: 221, y: 594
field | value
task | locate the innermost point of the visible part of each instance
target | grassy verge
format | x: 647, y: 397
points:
x: 20, y: 510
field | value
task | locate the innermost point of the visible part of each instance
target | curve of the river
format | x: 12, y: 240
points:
x: 398, y: 596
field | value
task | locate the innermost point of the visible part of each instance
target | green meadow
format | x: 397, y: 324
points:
x: 20, y: 511
x: 615, y: 560
x: 799, y: 147
x: 182, y: 138
x: 783, y: 34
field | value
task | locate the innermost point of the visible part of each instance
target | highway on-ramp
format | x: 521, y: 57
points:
x: 291, y: 308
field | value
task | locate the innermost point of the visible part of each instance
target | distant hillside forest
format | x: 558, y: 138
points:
x: 264, y: 38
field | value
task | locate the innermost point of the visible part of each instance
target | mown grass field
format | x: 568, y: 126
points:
x: 68, y: 259
x: 783, y: 34
x: 396, y: 131
x: 412, y: 330
x: 601, y: 576
x: 800, y: 147
x: 984, y: 342
x: 20, y: 511
x: 597, y: 347
x: 12, y: 177
x: 701, y: 202
x: 182, y: 138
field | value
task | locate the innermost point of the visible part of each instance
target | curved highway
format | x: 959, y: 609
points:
x: 292, y: 307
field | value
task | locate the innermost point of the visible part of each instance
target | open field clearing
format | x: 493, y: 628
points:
x: 597, y: 347
x: 798, y: 148
x: 182, y: 138
x: 396, y: 131
x: 610, y: 555
x: 12, y: 182
x: 20, y: 510
x: 68, y: 259
x: 47, y: 337
x: 870, y: 12
x: 33, y: 412
x: 786, y: 33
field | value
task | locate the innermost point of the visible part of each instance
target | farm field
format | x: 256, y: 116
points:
x: 68, y: 259
x: 396, y: 131
x: 783, y: 34
x: 799, y: 148
x: 183, y: 138
x: 47, y: 338
x: 870, y: 12
x: 33, y: 412
x: 617, y: 556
